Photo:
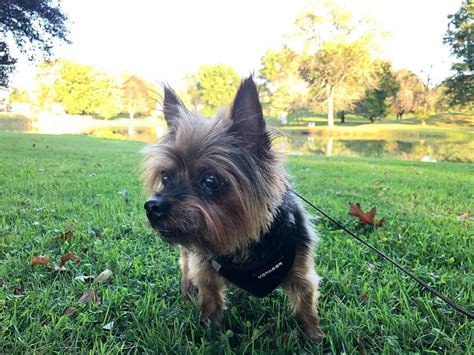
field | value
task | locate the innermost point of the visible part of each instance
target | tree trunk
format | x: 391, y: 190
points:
x: 329, y: 147
x: 331, y: 108
x: 131, y: 128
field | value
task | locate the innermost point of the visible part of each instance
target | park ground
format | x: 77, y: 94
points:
x: 61, y: 194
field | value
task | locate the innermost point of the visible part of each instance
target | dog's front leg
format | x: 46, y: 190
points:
x: 211, y: 288
x: 187, y: 287
x: 302, y: 287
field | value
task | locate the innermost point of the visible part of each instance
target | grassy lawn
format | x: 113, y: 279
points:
x: 450, y: 125
x: 52, y: 184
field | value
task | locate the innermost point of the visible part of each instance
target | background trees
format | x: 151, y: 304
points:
x: 337, y: 56
x: 376, y: 102
x: 410, y: 94
x: 331, y: 53
x: 137, y: 96
x: 460, y: 37
x: 212, y: 87
x: 283, y: 91
x: 327, y: 63
x: 31, y: 27
x: 80, y: 89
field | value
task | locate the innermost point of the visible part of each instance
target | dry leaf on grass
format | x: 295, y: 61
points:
x: 40, y: 260
x: 69, y: 256
x: 69, y: 233
x: 89, y: 297
x: 103, y: 276
x: 365, y: 218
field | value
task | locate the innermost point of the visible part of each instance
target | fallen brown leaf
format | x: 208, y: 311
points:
x: 90, y: 296
x: 365, y: 218
x: 69, y: 256
x: 103, y: 276
x: 67, y: 235
x: 2, y: 282
x: 40, y: 260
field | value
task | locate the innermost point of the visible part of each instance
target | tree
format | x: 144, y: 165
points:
x: 336, y: 56
x: 137, y: 96
x: 460, y: 37
x: 80, y: 89
x: 31, y: 27
x: 212, y: 87
x: 411, y: 92
x: 283, y: 89
x: 19, y: 95
x: 74, y: 88
x: 105, y: 96
x: 376, y: 101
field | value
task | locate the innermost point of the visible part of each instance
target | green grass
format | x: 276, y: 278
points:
x: 445, y: 125
x: 48, y: 183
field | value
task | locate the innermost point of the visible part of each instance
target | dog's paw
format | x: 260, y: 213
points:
x: 315, y: 334
x: 214, y: 320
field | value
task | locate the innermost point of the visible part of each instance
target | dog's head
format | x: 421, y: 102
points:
x: 214, y: 184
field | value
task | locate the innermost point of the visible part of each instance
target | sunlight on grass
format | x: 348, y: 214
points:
x: 48, y: 183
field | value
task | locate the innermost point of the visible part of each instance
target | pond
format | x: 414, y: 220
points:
x: 429, y: 148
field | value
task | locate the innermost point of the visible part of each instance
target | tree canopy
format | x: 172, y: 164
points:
x: 335, y: 54
x: 212, y: 87
x: 460, y: 37
x: 411, y: 91
x: 376, y: 102
x: 31, y: 28
x: 137, y: 96
x: 80, y: 89
x: 284, y: 91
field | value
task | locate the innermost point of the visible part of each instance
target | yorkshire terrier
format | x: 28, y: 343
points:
x: 219, y: 190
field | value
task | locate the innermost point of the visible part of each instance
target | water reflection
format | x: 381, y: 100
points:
x: 428, y: 149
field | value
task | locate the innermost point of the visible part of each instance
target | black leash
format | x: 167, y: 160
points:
x: 409, y: 273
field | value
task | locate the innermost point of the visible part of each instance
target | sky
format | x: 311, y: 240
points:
x: 164, y: 40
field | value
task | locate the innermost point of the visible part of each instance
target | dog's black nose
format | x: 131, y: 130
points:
x: 157, y: 207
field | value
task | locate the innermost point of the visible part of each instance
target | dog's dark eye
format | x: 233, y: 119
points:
x: 212, y: 182
x: 165, y: 179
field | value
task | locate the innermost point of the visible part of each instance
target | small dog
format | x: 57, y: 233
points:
x: 220, y: 191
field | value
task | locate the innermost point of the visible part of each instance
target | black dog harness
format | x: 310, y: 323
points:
x: 270, y: 261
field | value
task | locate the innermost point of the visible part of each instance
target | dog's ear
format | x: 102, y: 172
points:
x: 247, y: 117
x: 173, y: 107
